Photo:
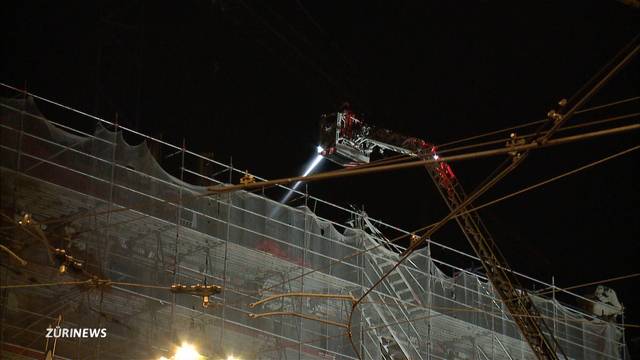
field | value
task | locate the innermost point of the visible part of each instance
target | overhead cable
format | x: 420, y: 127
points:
x: 537, y: 122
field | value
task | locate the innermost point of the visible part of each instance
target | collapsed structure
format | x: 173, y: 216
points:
x: 114, y: 241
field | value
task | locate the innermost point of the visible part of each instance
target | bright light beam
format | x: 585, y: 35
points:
x: 313, y: 165
x: 308, y: 171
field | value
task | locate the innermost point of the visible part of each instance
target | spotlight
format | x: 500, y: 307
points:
x: 436, y: 157
x: 319, y: 149
x: 186, y: 352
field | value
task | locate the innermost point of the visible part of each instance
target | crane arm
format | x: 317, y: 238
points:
x: 348, y: 141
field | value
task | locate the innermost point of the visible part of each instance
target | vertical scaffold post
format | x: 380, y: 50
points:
x: 305, y: 243
x: 105, y: 248
x: 555, y: 311
x: 624, y: 341
x: 429, y: 341
x: 112, y: 177
x: 176, y: 260
x: 25, y: 98
x: 4, y: 293
x: 226, y: 252
x: 361, y: 260
x: 493, y: 328
x: 19, y: 150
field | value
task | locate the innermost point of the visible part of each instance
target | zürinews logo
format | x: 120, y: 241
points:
x: 60, y: 332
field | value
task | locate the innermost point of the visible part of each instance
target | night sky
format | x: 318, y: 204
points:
x: 250, y: 79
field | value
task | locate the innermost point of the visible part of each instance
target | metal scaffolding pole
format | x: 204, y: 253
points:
x: 624, y: 341
x: 555, y: 310
x: 176, y: 253
x: 429, y: 300
x: 4, y: 275
x: 226, y: 253
x: 362, y: 262
x: 105, y: 252
x: 305, y: 244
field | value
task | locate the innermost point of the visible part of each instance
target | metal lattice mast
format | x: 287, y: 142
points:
x: 518, y: 303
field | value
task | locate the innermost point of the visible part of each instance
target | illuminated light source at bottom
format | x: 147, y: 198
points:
x: 186, y: 352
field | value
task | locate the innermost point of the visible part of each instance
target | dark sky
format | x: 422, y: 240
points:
x: 251, y: 78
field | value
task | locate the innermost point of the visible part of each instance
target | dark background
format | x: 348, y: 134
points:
x: 251, y: 78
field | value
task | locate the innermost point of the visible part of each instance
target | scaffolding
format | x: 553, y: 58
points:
x: 135, y: 230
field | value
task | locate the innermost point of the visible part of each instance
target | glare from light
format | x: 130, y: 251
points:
x: 319, y: 149
x: 313, y: 165
x: 231, y: 357
x: 186, y: 352
x: 436, y: 157
x: 163, y: 358
x: 308, y: 171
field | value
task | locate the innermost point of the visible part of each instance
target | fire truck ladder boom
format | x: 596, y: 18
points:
x: 517, y: 301
x: 355, y: 137
x: 353, y: 140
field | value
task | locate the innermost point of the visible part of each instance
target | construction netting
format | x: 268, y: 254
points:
x: 130, y: 230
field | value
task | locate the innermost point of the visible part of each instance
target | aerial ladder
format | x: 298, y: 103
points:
x: 348, y: 141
